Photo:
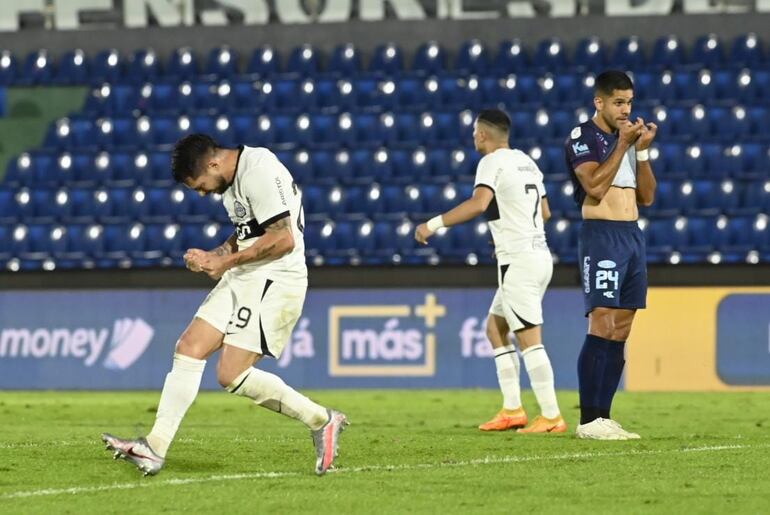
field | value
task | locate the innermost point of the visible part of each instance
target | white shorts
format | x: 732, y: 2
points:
x: 254, y: 313
x: 522, y: 284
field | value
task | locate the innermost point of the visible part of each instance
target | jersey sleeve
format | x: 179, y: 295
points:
x: 487, y: 174
x: 581, y: 147
x: 267, y: 190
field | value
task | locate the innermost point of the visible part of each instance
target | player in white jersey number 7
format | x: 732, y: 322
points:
x: 251, y: 311
x: 509, y: 190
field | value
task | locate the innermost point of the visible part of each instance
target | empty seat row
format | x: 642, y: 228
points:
x: 75, y: 67
x: 418, y: 93
x: 711, y: 238
x: 181, y: 205
x: 410, y: 163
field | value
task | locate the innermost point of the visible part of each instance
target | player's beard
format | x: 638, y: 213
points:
x: 611, y: 122
x: 221, y: 185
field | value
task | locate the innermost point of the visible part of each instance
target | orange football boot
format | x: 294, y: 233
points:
x: 545, y: 425
x: 506, y: 419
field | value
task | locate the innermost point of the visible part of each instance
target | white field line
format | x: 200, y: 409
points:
x: 86, y: 442
x: 489, y: 460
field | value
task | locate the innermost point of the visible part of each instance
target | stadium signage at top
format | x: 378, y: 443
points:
x: 84, y: 14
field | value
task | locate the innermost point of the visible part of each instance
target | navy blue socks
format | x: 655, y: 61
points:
x: 613, y: 370
x: 591, y: 364
x: 600, y: 367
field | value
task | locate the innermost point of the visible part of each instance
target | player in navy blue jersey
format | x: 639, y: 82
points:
x: 609, y: 165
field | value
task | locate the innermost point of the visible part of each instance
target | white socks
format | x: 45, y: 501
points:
x: 507, y: 364
x: 269, y: 390
x: 179, y: 392
x: 541, y: 378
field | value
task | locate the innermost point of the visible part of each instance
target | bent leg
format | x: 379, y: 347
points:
x: 237, y: 374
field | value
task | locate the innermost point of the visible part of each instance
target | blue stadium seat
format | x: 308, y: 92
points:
x: 86, y: 240
x: 756, y: 196
x: 387, y: 60
x: 345, y: 61
x: 204, y: 235
x: 364, y: 200
x: 703, y: 234
x: 182, y: 65
x: 512, y: 57
x: 429, y: 59
x: 745, y: 233
x: 370, y: 94
x: 667, y: 53
x: 370, y: 166
x: 107, y: 66
x: 22, y: 170
x: 328, y: 95
x: 590, y: 54
x: 472, y: 58
x: 22, y: 205
x: 747, y: 51
x: 166, y: 205
x: 205, y: 209
x: 500, y: 90
x: 38, y: 69
x: 74, y: 68
x: 10, y: 211
x: 561, y: 235
x: 121, y: 241
x: 628, y: 54
x: 9, y: 68
x: 736, y: 85
x: 708, y: 52
x: 264, y: 62
x: 316, y: 131
x: 222, y: 62
x: 666, y: 234
x: 696, y: 86
x: 303, y: 61
x: 143, y: 66
x: 315, y: 199
x: 163, y: 240
x: 49, y: 206
x: 551, y: 55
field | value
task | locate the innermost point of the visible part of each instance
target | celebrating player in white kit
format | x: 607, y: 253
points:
x: 509, y: 190
x: 251, y: 311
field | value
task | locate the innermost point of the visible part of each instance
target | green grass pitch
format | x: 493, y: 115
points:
x: 405, y: 452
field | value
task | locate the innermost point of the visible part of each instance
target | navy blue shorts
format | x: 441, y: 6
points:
x: 614, y: 265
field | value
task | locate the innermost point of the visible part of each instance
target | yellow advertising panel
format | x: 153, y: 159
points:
x: 711, y: 339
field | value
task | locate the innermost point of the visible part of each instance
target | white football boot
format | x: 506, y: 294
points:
x: 326, y: 441
x: 604, y: 429
x: 136, y: 451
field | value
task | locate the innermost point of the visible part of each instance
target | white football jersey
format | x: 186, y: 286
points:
x: 263, y: 192
x: 515, y: 215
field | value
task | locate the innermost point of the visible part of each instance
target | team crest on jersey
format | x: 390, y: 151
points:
x: 240, y: 211
x: 576, y: 132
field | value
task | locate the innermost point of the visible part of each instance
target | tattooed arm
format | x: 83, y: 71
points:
x: 228, y: 247
x: 277, y: 241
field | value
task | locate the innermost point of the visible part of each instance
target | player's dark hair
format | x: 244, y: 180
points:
x: 496, y: 118
x: 610, y: 80
x: 187, y: 158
